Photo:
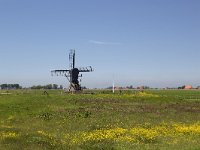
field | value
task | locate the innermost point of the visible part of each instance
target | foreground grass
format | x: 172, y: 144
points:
x: 29, y: 119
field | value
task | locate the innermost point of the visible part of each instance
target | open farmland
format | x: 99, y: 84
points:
x: 156, y: 119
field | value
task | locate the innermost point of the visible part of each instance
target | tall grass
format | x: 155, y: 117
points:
x: 153, y: 119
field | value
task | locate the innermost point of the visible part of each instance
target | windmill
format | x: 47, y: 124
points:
x: 72, y: 73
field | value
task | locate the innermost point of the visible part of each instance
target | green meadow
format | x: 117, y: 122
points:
x: 152, y: 119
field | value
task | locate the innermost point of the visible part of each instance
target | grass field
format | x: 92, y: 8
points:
x: 155, y: 119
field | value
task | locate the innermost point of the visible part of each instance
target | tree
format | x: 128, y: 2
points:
x: 4, y: 86
x: 55, y: 86
x: 83, y: 87
x: 10, y: 86
x: 61, y: 87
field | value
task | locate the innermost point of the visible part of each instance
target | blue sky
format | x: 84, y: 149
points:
x: 139, y: 42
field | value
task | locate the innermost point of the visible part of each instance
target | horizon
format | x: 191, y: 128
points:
x: 153, y: 43
x: 108, y: 87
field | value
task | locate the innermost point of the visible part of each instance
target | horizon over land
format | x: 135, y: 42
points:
x: 117, y: 88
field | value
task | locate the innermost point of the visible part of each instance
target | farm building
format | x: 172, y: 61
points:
x: 188, y: 87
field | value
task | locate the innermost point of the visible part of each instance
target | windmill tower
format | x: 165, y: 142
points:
x: 72, y: 73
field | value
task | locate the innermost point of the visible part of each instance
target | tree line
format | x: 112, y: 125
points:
x: 17, y: 86
x: 10, y: 86
x: 48, y: 86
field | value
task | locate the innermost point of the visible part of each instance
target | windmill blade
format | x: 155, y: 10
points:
x: 86, y: 69
x: 72, y: 59
x: 59, y: 72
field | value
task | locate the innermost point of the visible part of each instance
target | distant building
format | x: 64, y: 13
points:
x: 118, y: 88
x: 143, y: 87
x: 188, y: 87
